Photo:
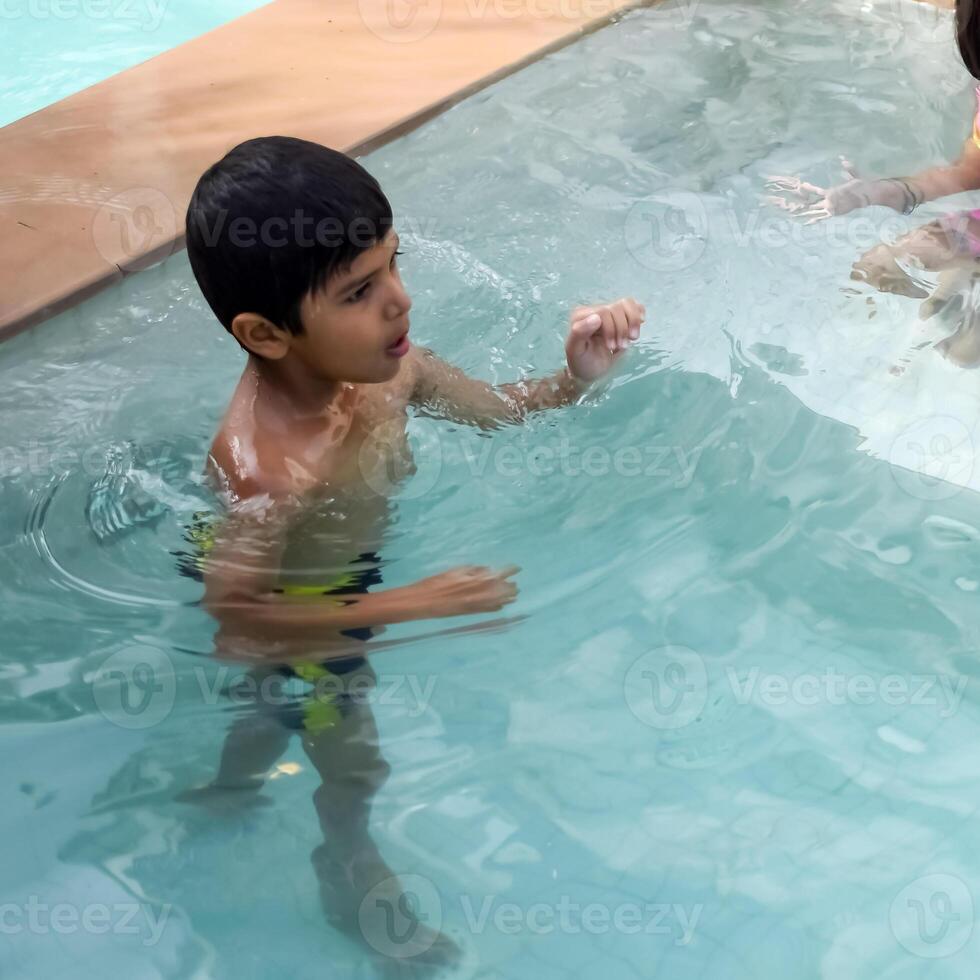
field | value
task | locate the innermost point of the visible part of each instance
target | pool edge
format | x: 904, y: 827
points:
x: 77, y: 246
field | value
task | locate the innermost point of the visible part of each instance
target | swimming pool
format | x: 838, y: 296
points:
x: 730, y: 736
x: 54, y: 48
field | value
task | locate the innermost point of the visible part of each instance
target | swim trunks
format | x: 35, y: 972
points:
x: 318, y: 710
x: 200, y: 534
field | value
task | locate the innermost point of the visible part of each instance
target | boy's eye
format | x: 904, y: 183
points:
x: 359, y: 293
x: 397, y: 252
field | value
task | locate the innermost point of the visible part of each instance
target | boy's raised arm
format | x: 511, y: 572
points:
x: 597, y: 337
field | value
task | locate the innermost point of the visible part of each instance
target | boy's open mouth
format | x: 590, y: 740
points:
x: 400, y: 347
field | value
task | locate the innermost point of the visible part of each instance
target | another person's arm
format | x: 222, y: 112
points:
x: 902, y: 194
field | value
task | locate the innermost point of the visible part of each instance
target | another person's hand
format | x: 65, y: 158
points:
x: 598, y: 335
x: 815, y: 203
x: 878, y: 267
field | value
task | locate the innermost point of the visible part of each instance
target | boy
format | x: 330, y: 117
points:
x: 294, y: 248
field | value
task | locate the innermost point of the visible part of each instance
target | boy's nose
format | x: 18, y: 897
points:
x: 399, y: 304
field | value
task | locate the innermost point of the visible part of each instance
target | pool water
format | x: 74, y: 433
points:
x: 728, y: 730
x: 54, y: 48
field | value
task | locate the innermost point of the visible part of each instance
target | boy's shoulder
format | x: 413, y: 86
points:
x: 247, y: 460
x: 244, y: 463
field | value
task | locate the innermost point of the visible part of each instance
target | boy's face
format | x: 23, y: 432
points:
x: 356, y: 327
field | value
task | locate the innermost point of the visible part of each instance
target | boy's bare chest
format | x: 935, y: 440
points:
x: 364, y: 451
x: 360, y: 445
x: 375, y: 451
x: 354, y: 477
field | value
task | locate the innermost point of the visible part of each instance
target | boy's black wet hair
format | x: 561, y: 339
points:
x: 274, y: 220
x: 968, y: 34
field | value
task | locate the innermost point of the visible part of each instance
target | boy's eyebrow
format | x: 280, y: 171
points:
x: 355, y: 284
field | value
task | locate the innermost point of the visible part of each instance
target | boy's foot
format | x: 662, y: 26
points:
x: 224, y: 799
x: 440, y: 954
x: 397, y: 919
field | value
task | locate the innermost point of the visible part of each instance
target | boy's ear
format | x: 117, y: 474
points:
x: 260, y: 336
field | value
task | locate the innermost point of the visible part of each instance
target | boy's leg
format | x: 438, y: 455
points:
x: 348, y: 864
x: 255, y: 741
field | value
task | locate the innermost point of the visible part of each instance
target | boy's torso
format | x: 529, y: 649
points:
x: 342, y: 469
x: 354, y: 450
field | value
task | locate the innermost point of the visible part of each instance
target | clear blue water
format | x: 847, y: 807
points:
x: 731, y: 735
x: 53, y: 48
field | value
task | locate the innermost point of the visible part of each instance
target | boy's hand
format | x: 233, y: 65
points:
x: 598, y: 335
x: 461, y: 591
